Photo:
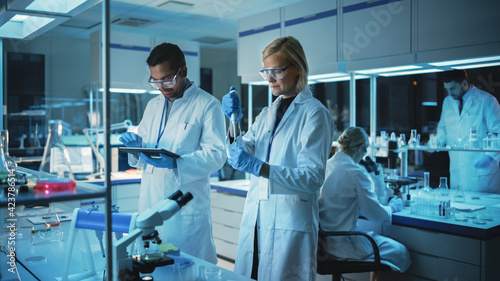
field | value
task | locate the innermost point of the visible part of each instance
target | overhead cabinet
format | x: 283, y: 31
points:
x: 255, y: 33
x: 358, y: 35
x: 128, y: 55
x: 314, y: 24
x: 373, y: 29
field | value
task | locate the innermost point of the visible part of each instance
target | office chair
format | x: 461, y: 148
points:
x: 328, y: 265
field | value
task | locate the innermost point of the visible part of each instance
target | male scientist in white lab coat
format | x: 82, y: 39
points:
x: 464, y: 108
x: 189, y: 122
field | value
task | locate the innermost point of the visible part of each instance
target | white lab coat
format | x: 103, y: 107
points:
x: 349, y: 189
x: 195, y: 130
x: 482, y: 110
x: 285, y: 206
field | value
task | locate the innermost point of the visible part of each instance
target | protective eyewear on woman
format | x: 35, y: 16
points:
x: 275, y: 73
x: 166, y: 84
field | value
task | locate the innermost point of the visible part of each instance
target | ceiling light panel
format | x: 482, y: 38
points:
x: 55, y: 6
x: 22, y: 26
x: 175, y: 6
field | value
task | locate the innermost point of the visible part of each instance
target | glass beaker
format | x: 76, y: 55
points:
x: 413, y: 142
x: 55, y: 155
x: 473, y: 142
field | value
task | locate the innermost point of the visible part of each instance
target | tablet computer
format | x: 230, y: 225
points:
x: 151, y: 152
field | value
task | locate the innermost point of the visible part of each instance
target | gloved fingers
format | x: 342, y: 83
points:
x: 146, y: 158
x: 165, y: 157
x: 129, y: 138
x: 234, y: 156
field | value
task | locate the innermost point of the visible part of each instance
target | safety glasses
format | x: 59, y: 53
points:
x: 166, y: 84
x: 275, y: 73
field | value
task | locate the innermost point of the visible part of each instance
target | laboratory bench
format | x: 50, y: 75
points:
x: 440, y: 249
x: 40, y: 259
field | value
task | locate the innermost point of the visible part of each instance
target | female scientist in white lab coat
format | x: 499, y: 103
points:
x: 286, y: 151
x: 474, y: 171
x: 349, y: 189
x: 189, y: 122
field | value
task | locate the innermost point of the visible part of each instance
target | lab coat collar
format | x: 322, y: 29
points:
x: 302, y: 97
x: 469, y: 98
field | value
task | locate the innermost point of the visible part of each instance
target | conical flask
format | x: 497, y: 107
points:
x: 55, y: 155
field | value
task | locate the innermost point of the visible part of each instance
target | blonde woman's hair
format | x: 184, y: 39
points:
x: 351, y: 138
x: 291, y: 50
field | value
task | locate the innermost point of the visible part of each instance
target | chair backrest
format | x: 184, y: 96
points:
x: 327, y: 264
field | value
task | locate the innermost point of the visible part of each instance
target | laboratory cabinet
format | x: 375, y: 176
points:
x: 372, y: 29
x: 303, y: 21
x: 227, y: 211
x: 470, y: 23
x: 254, y: 34
x: 128, y: 55
x: 468, y: 32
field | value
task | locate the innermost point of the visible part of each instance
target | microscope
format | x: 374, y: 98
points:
x: 397, y: 183
x: 144, y: 225
x: 136, y: 225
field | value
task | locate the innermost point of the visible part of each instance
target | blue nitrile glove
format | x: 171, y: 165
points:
x: 244, y: 161
x: 131, y: 140
x: 485, y: 161
x: 164, y: 162
x: 396, y: 204
x: 231, y: 103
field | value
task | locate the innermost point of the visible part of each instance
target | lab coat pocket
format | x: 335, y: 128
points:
x: 293, y: 212
x: 187, y: 138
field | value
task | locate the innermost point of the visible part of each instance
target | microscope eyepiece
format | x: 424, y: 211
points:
x: 184, y: 199
x: 176, y: 195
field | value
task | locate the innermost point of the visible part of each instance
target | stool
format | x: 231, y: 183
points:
x: 327, y: 265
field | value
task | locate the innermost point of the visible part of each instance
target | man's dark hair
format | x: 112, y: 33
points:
x: 167, y: 52
x: 455, y: 75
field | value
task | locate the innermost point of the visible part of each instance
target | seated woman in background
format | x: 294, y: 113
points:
x: 349, y: 189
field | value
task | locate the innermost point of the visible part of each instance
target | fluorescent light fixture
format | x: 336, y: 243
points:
x: 21, y: 26
x: 19, y: 18
x: 418, y: 71
x: 325, y: 76
x: 468, y: 66
x: 124, y: 91
x: 429, y: 103
x: 465, y: 61
x: 389, y: 69
x: 55, y: 6
x: 343, y: 78
x: 260, y: 83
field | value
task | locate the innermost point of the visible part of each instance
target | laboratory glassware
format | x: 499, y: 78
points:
x: 402, y: 140
x: 459, y: 143
x: 473, y: 142
x: 55, y: 158
x: 444, y: 197
x: 4, y: 168
x: 11, y: 163
x: 413, y: 142
x: 458, y: 194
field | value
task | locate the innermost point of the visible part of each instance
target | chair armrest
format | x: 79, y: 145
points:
x: 376, y: 252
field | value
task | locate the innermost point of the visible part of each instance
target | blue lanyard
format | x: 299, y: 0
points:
x: 162, y: 127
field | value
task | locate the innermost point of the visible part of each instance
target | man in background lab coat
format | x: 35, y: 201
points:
x: 189, y: 122
x: 464, y: 108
